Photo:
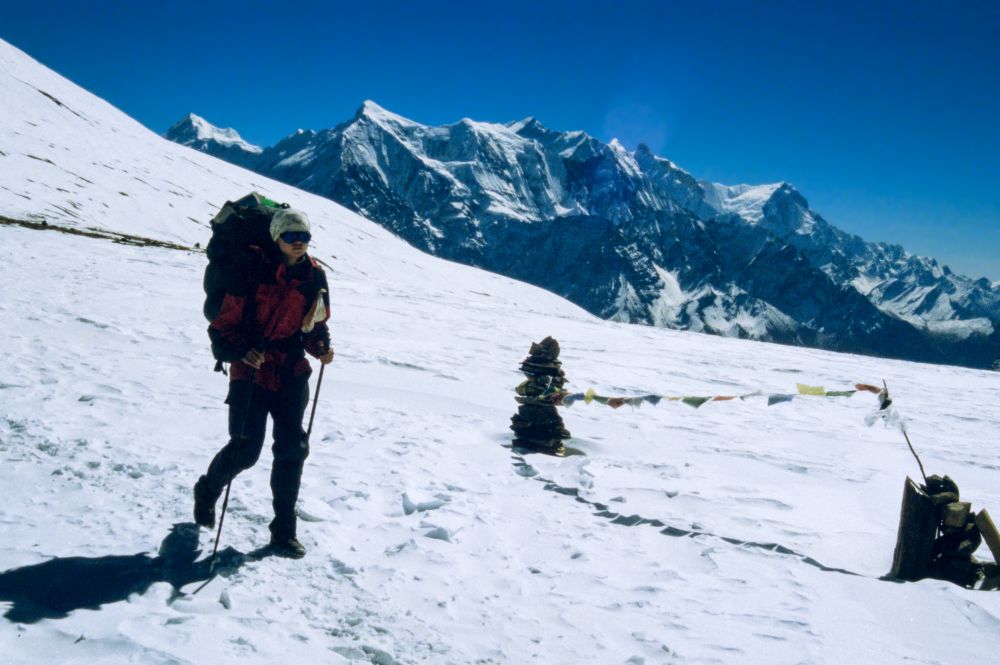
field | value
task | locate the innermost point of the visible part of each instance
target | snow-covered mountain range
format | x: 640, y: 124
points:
x: 630, y: 236
x: 734, y: 533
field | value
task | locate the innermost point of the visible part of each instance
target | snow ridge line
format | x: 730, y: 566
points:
x: 523, y: 469
x: 114, y: 236
x: 120, y: 238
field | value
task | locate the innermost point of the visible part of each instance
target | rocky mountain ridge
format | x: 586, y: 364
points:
x: 629, y: 235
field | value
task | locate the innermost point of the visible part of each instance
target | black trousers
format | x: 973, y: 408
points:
x: 286, y: 407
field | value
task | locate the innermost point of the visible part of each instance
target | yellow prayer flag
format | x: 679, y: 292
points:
x: 810, y: 390
x: 588, y: 396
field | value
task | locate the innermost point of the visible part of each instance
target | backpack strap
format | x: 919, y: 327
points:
x: 249, y: 322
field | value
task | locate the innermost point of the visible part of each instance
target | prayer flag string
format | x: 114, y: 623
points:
x: 885, y: 414
x: 590, y: 396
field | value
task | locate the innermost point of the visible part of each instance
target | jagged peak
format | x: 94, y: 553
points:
x: 527, y: 125
x: 207, y: 130
x: 788, y: 190
x: 297, y: 137
x: 369, y: 106
x: 382, y: 116
x: 660, y: 167
x: 625, y: 159
x: 189, y: 122
x: 643, y: 149
x: 196, y: 128
x: 475, y: 125
x: 644, y: 153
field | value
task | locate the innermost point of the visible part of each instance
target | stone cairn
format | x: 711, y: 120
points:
x: 537, y: 424
x: 958, y: 535
x: 938, y: 535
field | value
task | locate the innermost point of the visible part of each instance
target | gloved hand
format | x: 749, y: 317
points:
x: 254, y: 358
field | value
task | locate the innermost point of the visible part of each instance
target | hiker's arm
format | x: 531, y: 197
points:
x: 317, y: 341
x: 229, y: 342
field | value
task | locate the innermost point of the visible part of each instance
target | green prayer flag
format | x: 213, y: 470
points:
x: 695, y: 401
x: 840, y: 393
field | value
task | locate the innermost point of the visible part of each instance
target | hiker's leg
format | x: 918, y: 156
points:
x: 290, y: 451
x: 245, y: 439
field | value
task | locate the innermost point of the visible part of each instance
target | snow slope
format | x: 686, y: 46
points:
x: 110, y: 411
x: 747, y: 201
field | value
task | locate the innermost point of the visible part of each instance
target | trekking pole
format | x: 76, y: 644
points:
x: 225, y: 500
x: 319, y: 382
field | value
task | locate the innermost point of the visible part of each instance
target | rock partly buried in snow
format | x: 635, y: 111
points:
x: 439, y: 533
x: 409, y: 507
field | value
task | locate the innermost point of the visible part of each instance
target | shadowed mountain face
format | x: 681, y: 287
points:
x: 630, y: 236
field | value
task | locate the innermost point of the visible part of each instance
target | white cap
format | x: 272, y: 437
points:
x: 288, y: 220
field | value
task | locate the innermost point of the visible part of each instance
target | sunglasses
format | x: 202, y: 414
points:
x: 296, y: 236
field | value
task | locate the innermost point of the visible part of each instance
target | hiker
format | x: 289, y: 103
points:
x: 265, y: 334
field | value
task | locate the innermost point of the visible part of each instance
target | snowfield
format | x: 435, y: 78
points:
x: 429, y: 540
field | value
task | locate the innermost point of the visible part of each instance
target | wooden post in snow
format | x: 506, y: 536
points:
x: 915, y: 539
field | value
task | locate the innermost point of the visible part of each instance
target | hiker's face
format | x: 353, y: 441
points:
x: 293, y: 251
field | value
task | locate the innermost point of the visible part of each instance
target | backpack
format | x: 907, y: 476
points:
x: 241, y: 237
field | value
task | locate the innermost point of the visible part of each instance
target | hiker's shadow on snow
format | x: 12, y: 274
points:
x: 53, y: 589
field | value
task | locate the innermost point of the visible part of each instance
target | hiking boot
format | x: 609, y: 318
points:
x: 204, y: 504
x: 289, y: 548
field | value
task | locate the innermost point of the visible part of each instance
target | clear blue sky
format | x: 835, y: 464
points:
x: 886, y: 115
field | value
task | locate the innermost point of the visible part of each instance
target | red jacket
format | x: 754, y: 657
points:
x: 284, y: 302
